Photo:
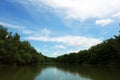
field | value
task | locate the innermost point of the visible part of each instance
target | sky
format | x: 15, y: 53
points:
x: 57, y: 27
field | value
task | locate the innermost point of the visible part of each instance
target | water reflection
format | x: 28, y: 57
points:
x: 53, y: 73
x: 78, y: 72
x: 59, y: 72
x: 19, y: 73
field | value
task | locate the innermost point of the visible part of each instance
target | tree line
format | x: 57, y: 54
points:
x: 107, y: 52
x: 14, y: 51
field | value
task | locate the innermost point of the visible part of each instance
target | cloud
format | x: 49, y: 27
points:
x: 27, y: 31
x: 55, y: 54
x: 59, y: 47
x: 45, y: 31
x: 79, y: 41
x: 12, y: 25
x: 75, y: 9
x: 103, y: 22
x: 117, y: 15
x: 66, y: 51
x: 41, y: 32
x: 73, y: 51
x: 17, y: 27
x: 24, y: 30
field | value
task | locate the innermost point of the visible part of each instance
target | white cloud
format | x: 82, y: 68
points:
x: 75, y: 9
x: 55, y: 54
x: 41, y: 32
x: 18, y: 27
x: 27, y: 31
x: 117, y: 15
x: 24, y: 30
x: 73, y: 51
x: 59, y: 47
x: 45, y: 31
x: 12, y: 25
x: 68, y: 40
x: 67, y: 51
x: 103, y: 22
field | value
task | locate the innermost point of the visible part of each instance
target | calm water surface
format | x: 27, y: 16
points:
x: 59, y: 72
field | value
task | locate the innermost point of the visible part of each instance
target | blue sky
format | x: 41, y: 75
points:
x: 56, y: 27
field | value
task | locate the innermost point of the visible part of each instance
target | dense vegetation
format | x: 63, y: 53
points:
x: 14, y: 51
x: 107, y: 52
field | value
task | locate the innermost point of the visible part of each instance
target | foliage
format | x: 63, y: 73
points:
x: 14, y: 51
x: 107, y: 52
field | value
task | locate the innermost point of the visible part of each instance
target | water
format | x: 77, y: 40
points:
x: 59, y: 72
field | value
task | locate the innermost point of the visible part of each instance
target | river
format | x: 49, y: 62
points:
x: 59, y: 72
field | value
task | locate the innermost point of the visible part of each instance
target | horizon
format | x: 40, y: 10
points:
x: 59, y: 27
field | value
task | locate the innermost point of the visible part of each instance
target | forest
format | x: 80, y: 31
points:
x: 107, y: 53
x: 15, y: 51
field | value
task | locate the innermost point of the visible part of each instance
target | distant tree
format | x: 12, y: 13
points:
x: 107, y: 52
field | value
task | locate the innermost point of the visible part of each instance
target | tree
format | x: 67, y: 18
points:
x: 14, y: 51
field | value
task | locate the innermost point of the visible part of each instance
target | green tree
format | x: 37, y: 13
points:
x: 14, y: 51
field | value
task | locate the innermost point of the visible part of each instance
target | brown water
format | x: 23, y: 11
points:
x: 59, y: 72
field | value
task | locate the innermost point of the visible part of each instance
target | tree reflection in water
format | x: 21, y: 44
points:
x: 59, y: 72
